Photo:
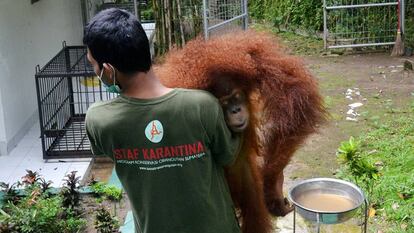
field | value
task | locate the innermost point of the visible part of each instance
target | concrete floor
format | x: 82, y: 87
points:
x: 28, y: 155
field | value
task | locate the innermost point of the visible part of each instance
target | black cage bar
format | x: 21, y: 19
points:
x: 66, y: 86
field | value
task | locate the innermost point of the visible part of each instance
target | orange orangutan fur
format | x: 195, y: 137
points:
x: 285, y: 108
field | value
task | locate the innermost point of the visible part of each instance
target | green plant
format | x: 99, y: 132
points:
x: 108, y: 191
x: 45, y: 215
x: 45, y: 185
x: 298, y: 44
x: 70, y: 191
x: 73, y: 224
x: 391, y: 147
x: 289, y: 14
x: 104, y: 222
x: 10, y: 192
x: 113, y: 193
x: 92, y: 180
x: 37, y: 210
x: 30, y: 178
x: 6, y: 227
x: 409, y: 24
x: 363, y: 172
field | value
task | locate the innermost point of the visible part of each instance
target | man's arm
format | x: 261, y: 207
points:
x: 90, y: 131
x: 225, y: 144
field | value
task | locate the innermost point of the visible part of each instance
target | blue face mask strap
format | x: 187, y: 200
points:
x: 115, y: 87
x: 112, y: 88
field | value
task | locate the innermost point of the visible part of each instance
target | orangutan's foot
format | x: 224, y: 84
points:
x: 279, y: 207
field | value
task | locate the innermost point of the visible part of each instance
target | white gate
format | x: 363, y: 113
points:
x: 221, y: 16
x: 361, y: 23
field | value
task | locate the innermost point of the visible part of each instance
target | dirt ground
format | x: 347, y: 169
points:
x: 384, y: 89
x: 90, y: 205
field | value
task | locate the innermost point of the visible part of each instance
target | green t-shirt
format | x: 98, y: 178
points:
x: 169, y: 154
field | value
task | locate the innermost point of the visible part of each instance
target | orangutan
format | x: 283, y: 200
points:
x: 265, y: 93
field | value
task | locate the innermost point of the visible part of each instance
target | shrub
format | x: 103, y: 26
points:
x: 70, y: 191
x: 289, y: 14
x: 38, y: 211
x: 107, y: 191
x: 10, y: 192
x: 45, y: 215
x: 361, y: 170
x: 105, y: 222
x: 390, y: 148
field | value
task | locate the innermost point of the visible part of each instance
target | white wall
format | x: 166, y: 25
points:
x: 30, y: 34
x: 3, y: 145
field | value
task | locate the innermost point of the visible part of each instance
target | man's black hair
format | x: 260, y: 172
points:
x: 115, y: 36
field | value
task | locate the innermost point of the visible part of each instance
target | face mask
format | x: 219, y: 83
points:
x: 112, y: 88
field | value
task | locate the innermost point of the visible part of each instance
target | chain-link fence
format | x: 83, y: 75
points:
x: 178, y: 21
x: 358, y: 23
x: 221, y: 16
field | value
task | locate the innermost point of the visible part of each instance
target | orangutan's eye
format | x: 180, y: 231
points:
x: 240, y: 96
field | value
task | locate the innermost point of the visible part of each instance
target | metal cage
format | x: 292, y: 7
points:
x: 66, y: 86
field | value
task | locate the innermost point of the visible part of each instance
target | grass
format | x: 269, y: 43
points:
x: 385, y: 131
x: 298, y: 44
x: 329, y: 81
x: 391, y: 148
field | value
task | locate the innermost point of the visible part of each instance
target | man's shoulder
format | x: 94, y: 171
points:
x: 198, y: 96
x: 99, y: 109
x: 101, y: 105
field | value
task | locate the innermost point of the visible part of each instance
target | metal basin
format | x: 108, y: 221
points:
x: 326, y: 187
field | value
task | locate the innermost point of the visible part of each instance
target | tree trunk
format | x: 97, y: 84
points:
x: 180, y: 20
x: 168, y: 20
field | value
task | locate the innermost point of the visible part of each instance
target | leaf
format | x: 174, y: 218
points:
x: 371, y: 212
x: 352, y: 142
x: 4, y: 213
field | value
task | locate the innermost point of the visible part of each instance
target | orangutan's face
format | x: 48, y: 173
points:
x: 235, y: 110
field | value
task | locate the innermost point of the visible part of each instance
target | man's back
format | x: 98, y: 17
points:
x: 168, y: 153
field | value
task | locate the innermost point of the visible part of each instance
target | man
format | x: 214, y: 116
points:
x: 169, y: 145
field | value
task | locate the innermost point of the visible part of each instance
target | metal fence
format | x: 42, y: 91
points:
x: 360, y: 23
x: 221, y: 16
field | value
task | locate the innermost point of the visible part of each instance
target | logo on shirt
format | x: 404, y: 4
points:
x: 154, y: 131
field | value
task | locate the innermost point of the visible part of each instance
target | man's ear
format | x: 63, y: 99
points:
x: 107, y: 70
